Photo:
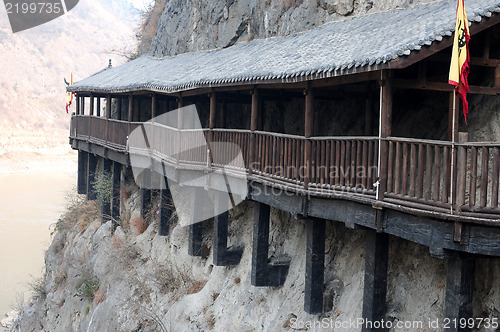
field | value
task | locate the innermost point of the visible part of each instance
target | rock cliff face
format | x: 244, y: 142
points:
x: 194, y: 25
x: 134, y: 279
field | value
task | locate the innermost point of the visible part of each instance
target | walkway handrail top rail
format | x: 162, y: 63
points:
x: 442, y: 143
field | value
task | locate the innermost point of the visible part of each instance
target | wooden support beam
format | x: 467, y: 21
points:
x: 116, y: 200
x: 213, y: 110
x: 83, y: 160
x: 91, y: 168
x: 130, y: 107
x: 445, y: 87
x: 308, y: 132
x: 91, y: 104
x: 154, y: 105
x: 460, y: 281
x: 180, y: 116
x: 105, y: 203
x: 98, y: 110
x: 375, y: 284
x: 264, y: 274
x: 315, y: 266
x: 385, y: 131
x: 166, y: 206
x: 254, y: 116
x: 222, y: 255
x: 195, y: 225
x: 108, y: 107
x: 77, y: 99
x: 497, y: 77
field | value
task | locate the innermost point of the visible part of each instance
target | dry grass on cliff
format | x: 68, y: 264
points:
x: 79, y: 212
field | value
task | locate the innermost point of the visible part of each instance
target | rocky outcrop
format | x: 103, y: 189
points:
x: 193, y: 25
x: 126, y: 281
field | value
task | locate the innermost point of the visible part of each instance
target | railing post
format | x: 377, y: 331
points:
x: 308, y: 132
x: 253, y: 127
x: 461, y: 172
x: 385, y: 131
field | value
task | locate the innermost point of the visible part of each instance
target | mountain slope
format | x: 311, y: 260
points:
x: 34, y: 63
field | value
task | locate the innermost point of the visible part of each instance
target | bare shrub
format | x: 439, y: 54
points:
x: 87, y: 285
x: 137, y: 225
x: 37, y: 287
x: 196, y: 286
x: 99, y: 296
x: 79, y: 212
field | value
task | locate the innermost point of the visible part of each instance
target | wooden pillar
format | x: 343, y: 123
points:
x: 108, y: 107
x: 497, y: 76
x: 115, y: 204
x: 308, y: 132
x: 83, y: 159
x: 375, y: 285
x: 222, y: 255
x: 166, y: 206
x: 77, y: 99
x: 180, y: 117
x: 91, y: 104
x: 119, y: 108
x: 263, y: 273
x: 154, y: 106
x: 315, y: 266
x: 196, y: 226
x: 385, y: 131
x: 130, y: 107
x: 213, y: 109
x: 460, y: 280
x: 98, y: 111
x: 106, y: 203
x: 254, y: 117
x: 91, y: 168
x: 260, y: 249
x: 213, y: 113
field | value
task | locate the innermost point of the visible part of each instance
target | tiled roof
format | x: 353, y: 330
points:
x: 358, y: 44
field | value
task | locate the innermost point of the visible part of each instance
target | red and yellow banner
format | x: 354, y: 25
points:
x: 460, y: 60
x: 69, y: 99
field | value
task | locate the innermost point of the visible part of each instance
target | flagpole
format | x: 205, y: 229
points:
x: 452, y: 149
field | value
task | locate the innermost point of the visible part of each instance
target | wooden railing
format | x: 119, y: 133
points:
x: 420, y: 173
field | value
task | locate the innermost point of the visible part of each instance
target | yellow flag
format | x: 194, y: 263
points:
x: 460, y: 60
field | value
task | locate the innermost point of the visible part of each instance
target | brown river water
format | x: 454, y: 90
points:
x: 30, y: 203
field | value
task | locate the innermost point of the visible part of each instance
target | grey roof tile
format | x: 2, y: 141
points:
x: 329, y: 49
